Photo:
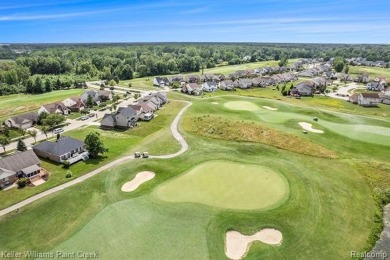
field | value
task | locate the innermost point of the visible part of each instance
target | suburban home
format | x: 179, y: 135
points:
x: 104, y: 95
x: 22, y: 164
x: 64, y: 149
x: 162, y: 96
x: 161, y: 82
x: 146, y: 107
x: 178, y: 79
x: 210, y: 86
x: 192, y: 79
x: 304, y: 88
x: 54, y: 108
x: 155, y: 102
x: 125, y: 117
x: 93, y: 94
x: 74, y: 104
x: 243, y: 83
x: 23, y: 121
x: 368, y: 99
x: 226, y: 85
x: 385, y: 100
x: 192, y: 89
x: 353, y: 99
x: 375, y: 86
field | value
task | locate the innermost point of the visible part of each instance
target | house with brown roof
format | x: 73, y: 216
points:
x: 74, y: 104
x: 368, y: 99
x: 23, y: 121
x: 192, y: 89
x: 54, y: 108
x: 353, y: 99
x: 226, y: 85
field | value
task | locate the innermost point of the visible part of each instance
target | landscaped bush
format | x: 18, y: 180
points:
x: 66, y: 164
x: 68, y: 174
x: 22, y: 182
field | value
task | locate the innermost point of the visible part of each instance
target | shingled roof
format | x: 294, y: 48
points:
x: 62, y: 146
x: 19, y: 161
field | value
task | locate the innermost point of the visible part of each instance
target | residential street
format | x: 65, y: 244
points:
x: 73, y: 124
x: 342, y: 93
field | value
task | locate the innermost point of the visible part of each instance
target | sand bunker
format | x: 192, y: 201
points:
x: 237, y: 244
x: 214, y: 103
x: 309, y: 127
x: 270, y: 108
x: 140, y: 178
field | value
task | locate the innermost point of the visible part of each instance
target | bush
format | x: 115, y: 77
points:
x: 66, y: 164
x: 22, y: 182
x: 68, y: 174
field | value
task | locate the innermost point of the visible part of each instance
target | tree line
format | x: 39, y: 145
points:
x: 42, y: 68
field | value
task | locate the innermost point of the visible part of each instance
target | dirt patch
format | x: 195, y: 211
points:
x: 309, y: 127
x: 140, y: 178
x: 237, y: 245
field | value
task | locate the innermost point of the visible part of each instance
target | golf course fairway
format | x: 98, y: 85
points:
x: 227, y: 185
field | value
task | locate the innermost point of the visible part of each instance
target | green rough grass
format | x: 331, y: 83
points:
x: 229, y: 185
x: 331, y: 208
x: 372, y: 71
x: 21, y: 103
x: 118, y: 142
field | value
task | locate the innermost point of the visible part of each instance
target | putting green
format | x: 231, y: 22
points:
x: 227, y: 185
x: 241, y: 105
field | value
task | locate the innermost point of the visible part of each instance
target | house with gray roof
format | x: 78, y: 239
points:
x: 226, y: 85
x: 64, y: 149
x: 192, y: 89
x: 93, y: 94
x: 22, y: 164
x: 161, y: 81
x: 125, y: 117
x: 210, y: 86
x: 22, y: 121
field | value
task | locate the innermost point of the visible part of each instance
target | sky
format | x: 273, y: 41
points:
x: 286, y: 21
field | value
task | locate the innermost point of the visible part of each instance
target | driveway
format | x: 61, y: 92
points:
x: 343, y: 92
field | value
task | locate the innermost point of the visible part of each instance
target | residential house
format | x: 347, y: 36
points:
x: 162, y: 96
x: 210, y: 86
x: 64, y: 149
x: 226, y: 85
x: 243, y: 83
x: 161, y: 82
x: 353, y: 99
x: 94, y: 96
x: 23, y: 121
x: 178, y: 78
x: 304, y: 88
x: 74, y: 104
x: 154, y: 101
x: 192, y: 79
x: 385, y: 100
x: 375, y: 86
x: 192, y: 89
x: 54, y: 108
x: 368, y: 99
x: 22, y: 164
x: 104, y: 95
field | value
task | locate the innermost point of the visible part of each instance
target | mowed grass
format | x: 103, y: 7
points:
x: 119, y: 143
x: 228, y: 185
x: 372, y: 71
x: 21, y: 103
x: 330, y: 211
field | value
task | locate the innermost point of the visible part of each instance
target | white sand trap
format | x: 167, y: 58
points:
x: 309, y: 127
x: 270, y: 108
x: 214, y: 103
x: 237, y: 244
x: 140, y: 178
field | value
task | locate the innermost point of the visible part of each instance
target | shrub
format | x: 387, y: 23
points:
x: 22, y: 182
x: 68, y: 174
x: 66, y: 164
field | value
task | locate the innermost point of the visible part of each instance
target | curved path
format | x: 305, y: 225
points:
x: 175, y: 133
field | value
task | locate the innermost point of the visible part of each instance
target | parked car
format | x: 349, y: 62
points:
x: 58, y: 130
x: 84, y: 118
x: 145, y: 155
x: 91, y: 114
x: 137, y: 155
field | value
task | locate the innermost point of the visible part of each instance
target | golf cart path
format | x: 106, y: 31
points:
x: 175, y: 133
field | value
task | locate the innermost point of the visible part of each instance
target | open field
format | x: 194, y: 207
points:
x: 227, y: 185
x: 20, y: 103
x: 372, y: 71
x: 331, y: 208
